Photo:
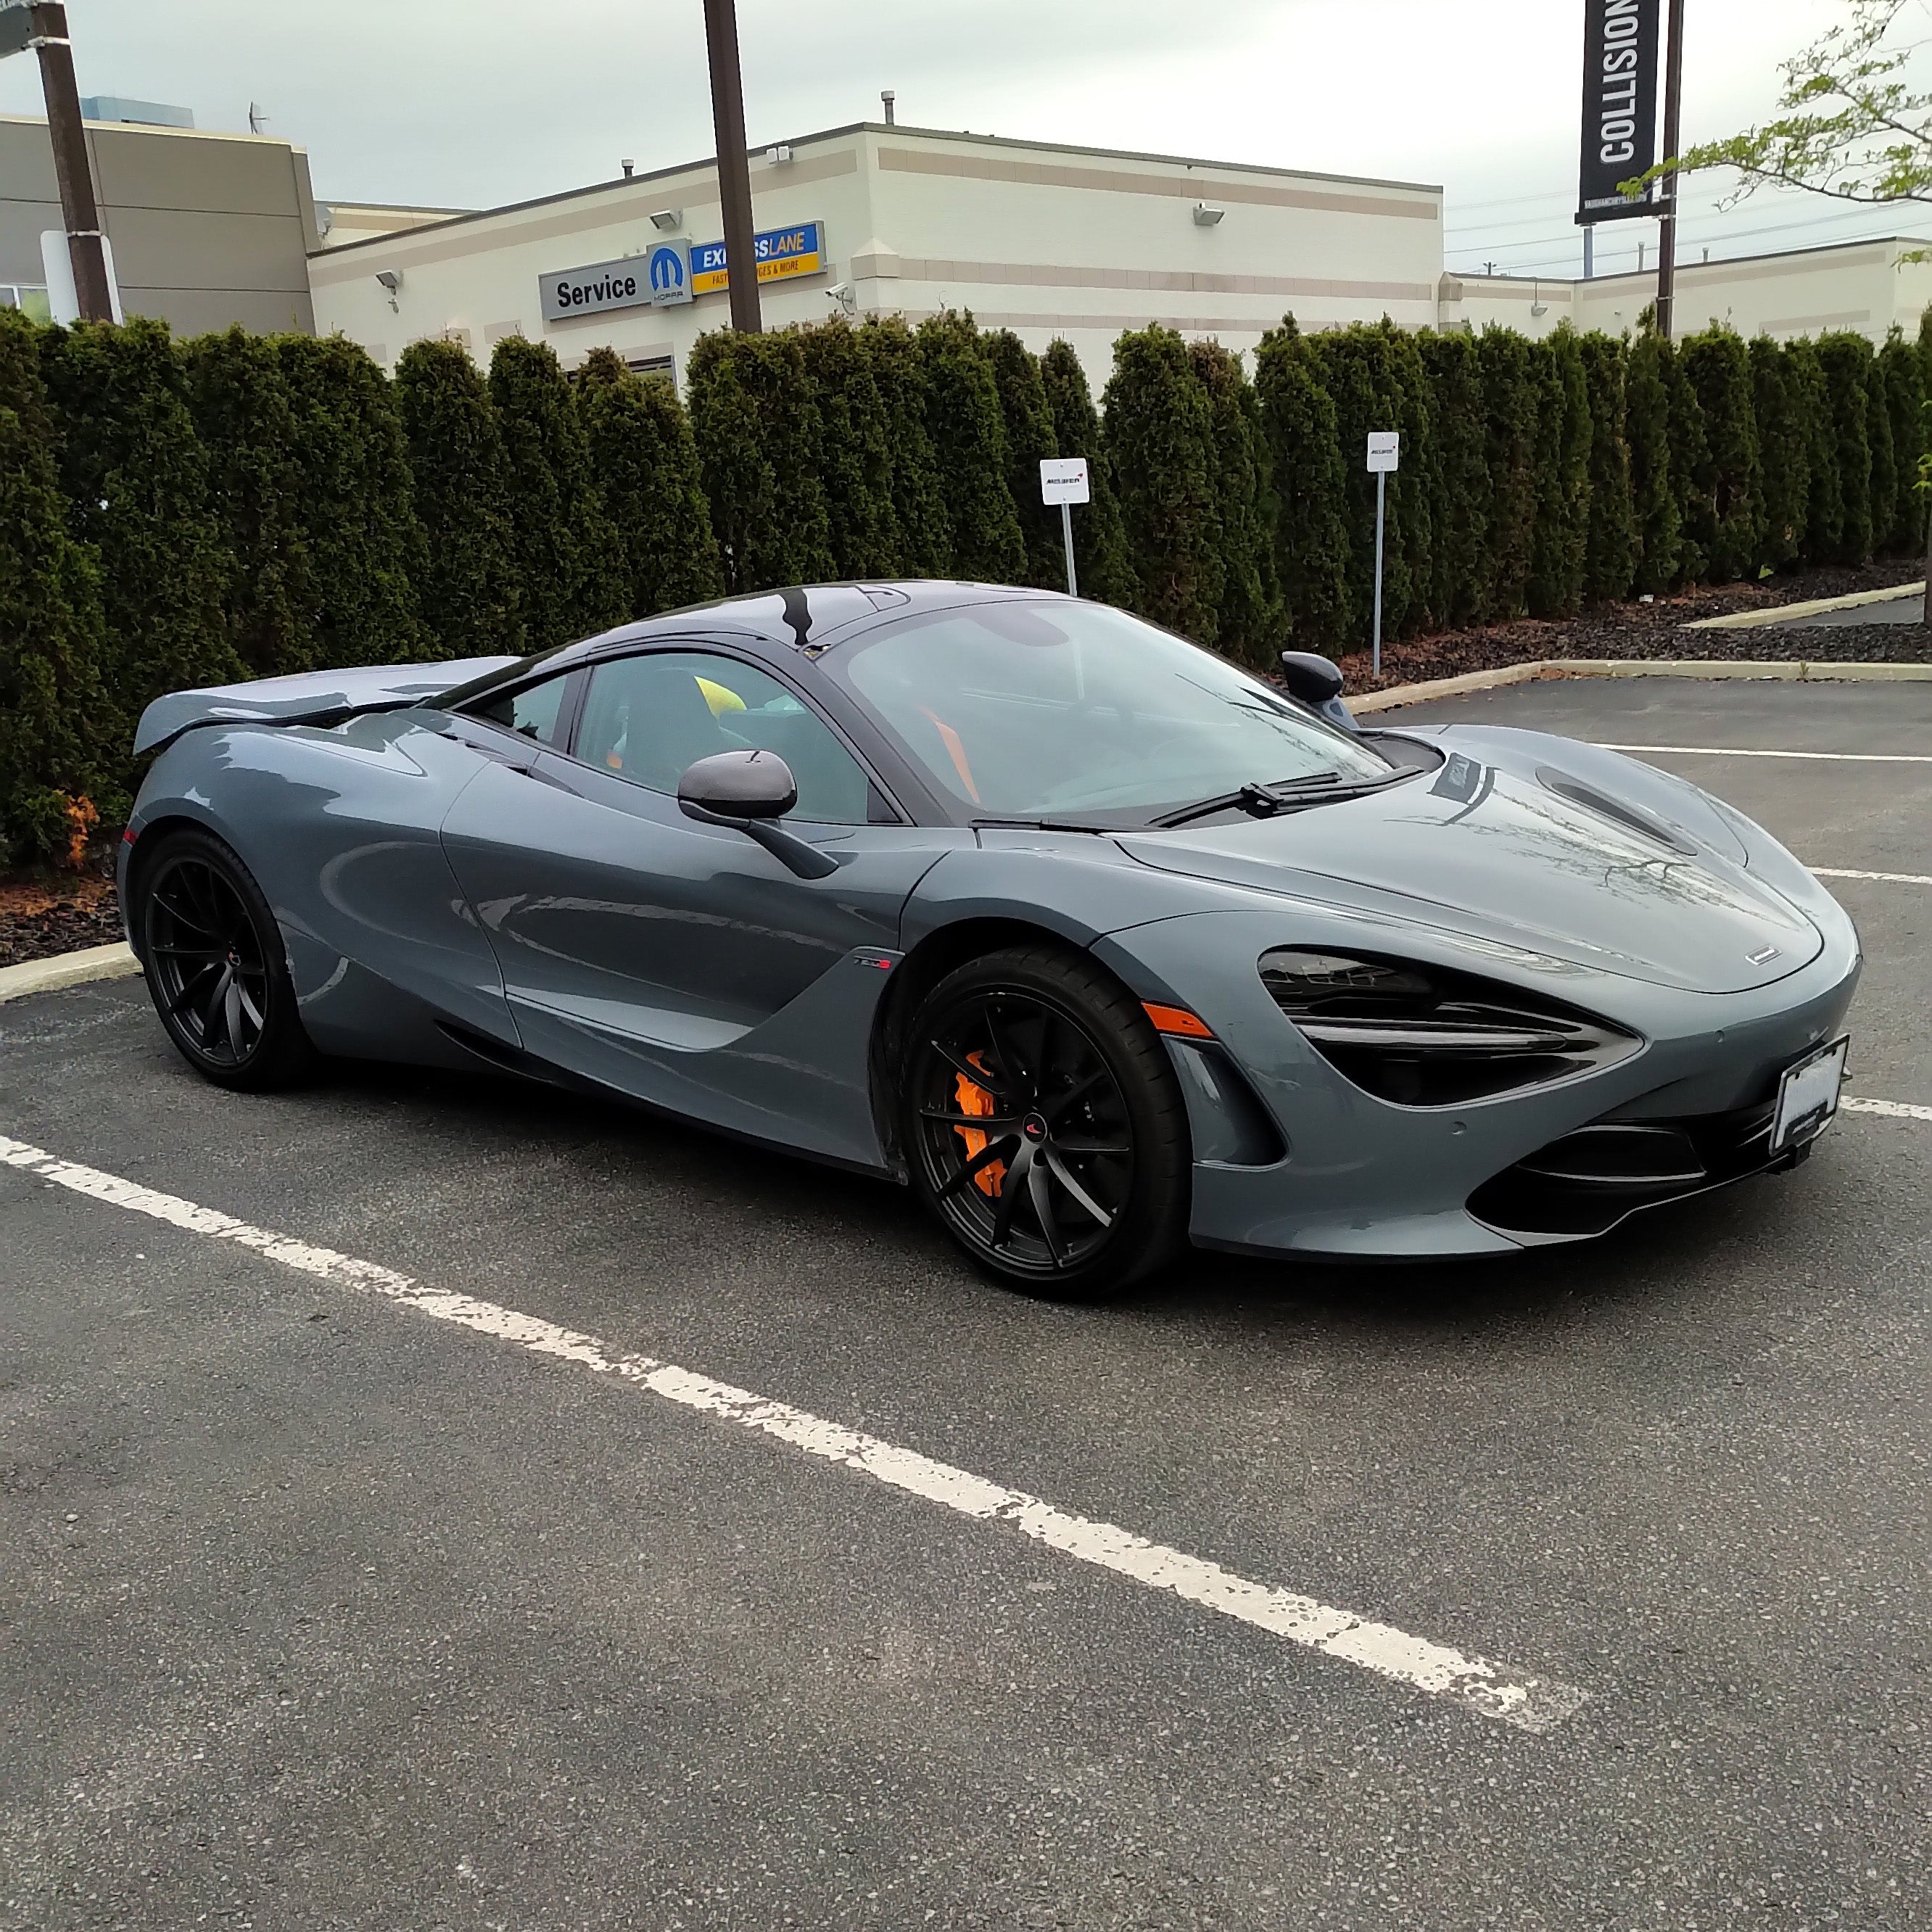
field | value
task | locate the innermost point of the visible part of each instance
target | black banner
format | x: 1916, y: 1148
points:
x: 1621, y: 39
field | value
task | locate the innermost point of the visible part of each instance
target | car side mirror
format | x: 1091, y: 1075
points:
x: 750, y: 792
x: 1317, y: 682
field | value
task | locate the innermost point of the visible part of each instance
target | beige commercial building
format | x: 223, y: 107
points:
x: 206, y: 229
x: 1045, y: 240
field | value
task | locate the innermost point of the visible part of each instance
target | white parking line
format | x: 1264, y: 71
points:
x: 1883, y: 878
x: 1733, y: 751
x: 1495, y: 1690
x: 1889, y: 1110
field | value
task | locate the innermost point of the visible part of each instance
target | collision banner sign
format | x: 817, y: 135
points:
x: 1621, y: 43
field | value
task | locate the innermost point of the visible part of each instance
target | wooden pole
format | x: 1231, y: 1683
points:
x: 79, y: 210
x: 734, y: 172
x: 1673, y: 129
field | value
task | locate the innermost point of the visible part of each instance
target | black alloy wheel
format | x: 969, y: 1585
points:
x: 215, y: 968
x: 1045, y: 1127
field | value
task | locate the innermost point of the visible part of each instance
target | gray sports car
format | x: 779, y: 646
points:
x: 1100, y: 944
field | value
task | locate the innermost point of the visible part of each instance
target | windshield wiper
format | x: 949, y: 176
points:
x: 1265, y: 801
x: 1038, y: 825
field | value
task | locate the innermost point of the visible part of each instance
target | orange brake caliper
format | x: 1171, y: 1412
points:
x: 973, y: 1099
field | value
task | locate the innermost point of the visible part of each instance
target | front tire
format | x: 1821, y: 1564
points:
x: 217, y: 969
x: 1044, y: 1127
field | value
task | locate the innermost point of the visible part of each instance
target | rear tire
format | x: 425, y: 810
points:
x: 1044, y: 1127
x: 217, y: 968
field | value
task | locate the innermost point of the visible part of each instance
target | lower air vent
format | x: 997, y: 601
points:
x: 1419, y: 1037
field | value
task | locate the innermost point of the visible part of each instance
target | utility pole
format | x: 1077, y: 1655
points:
x: 1673, y: 129
x: 734, y: 171
x: 42, y: 27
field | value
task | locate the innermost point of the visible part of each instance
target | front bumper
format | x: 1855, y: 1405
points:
x: 1353, y: 1178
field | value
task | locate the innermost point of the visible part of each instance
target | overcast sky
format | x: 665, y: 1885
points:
x: 471, y: 103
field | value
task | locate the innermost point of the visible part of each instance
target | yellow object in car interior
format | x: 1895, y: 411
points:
x: 720, y: 699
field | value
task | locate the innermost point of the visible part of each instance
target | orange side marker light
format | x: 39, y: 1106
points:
x: 1177, y: 1023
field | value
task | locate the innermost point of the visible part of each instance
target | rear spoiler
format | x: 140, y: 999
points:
x: 310, y: 697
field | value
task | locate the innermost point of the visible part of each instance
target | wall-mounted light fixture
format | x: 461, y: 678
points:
x: 666, y: 220
x: 391, y: 282
x: 1205, y: 217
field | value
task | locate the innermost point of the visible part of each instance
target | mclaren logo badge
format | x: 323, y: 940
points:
x: 1763, y: 956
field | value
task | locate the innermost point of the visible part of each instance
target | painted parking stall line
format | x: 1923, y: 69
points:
x: 1529, y: 1702
x: 1885, y: 1110
x: 1877, y: 878
x: 1735, y: 751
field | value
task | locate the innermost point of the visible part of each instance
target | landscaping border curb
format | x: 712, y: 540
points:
x: 1543, y: 668
x: 1790, y: 613
x: 67, y: 969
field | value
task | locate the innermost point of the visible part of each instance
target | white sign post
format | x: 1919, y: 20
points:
x: 1063, y: 480
x: 1384, y: 460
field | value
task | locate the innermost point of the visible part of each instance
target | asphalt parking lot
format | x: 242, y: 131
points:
x: 317, y: 1612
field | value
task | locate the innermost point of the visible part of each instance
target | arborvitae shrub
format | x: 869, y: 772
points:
x: 366, y: 554
x: 1884, y: 462
x: 570, y: 563
x: 1784, y: 452
x: 969, y: 440
x: 61, y: 740
x: 1372, y: 383
x: 239, y: 399
x: 1160, y: 436
x: 856, y: 453
x: 1511, y: 399
x: 469, y: 594
x: 1099, y: 548
x: 646, y: 464
x: 1609, y: 556
x: 1730, y: 478
x: 759, y: 451
x: 1461, y: 519
x: 1824, y: 532
x: 919, y: 494
x: 1559, y: 556
x: 1249, y: 621
x: 1298, y: 421
x: 136, y: 478
x: 1659, y: 530
x: 1846, y: 361
x: 1028, y: 420
x: 1903, y: 379
x: 1690, y: 470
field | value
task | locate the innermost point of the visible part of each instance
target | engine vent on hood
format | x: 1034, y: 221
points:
x: 1421, y: 1037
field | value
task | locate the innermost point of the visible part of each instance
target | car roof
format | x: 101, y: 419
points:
x: 807, y: 618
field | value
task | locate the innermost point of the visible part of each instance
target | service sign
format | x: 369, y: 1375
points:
x: 1621, y: 39
x: 1063, y: 479
x: 779, y: 253
x: 604, y: 285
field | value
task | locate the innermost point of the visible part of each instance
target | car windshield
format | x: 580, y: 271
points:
x: 1032, y: 710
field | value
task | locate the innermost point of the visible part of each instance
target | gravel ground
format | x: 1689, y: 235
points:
x: 1657, y: 630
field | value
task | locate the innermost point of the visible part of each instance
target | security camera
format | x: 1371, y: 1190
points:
x: 845, y: 295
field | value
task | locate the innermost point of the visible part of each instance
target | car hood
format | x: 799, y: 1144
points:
x: 1530, y: 854
x: 305, y: 697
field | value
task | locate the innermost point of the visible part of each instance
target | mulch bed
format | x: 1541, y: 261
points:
x: 1656, y: 631
x: 40, y: 918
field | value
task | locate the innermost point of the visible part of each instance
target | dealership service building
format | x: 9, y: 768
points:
x: 1047, y: 241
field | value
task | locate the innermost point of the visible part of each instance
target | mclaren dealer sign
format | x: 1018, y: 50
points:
x: 1620, y: 64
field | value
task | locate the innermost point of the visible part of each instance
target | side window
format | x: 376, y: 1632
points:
x: 532, y: 712
x: 650, y: 717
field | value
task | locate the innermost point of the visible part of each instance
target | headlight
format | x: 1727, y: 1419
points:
x: 1421, y: 1037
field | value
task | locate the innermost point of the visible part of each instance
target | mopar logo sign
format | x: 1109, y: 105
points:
x: 624, y: 284
x: 671, y: 279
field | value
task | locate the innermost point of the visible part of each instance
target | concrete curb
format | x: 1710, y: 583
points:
x: 1789, y: 613
x: 1543, y: 668
x: 67, y: 969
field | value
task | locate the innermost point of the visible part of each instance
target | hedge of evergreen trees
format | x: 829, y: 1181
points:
x: 181, y: 513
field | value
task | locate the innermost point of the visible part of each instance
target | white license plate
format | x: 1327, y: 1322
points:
x: 1808, y: 1097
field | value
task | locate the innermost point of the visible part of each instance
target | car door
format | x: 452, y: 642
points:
x: 680, y: 962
